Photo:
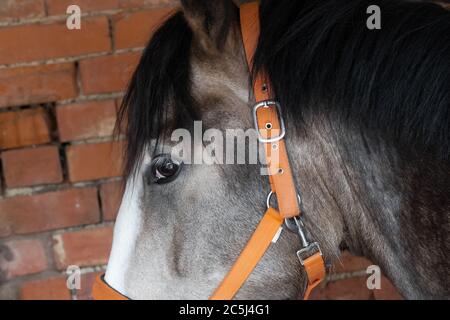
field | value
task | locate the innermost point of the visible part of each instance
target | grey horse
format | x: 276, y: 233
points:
x: 368, y: 134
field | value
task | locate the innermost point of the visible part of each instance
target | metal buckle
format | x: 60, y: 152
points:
x: 268, y: 104
x: 308, y: 249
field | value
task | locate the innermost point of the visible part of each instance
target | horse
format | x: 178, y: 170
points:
x: 367, y: 115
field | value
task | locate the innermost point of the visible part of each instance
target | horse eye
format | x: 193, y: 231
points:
x: 163, y: 169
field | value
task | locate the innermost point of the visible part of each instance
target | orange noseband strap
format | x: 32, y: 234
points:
x: 102, y: 291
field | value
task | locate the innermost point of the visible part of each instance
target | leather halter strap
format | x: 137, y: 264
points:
x: 269, y: 122
x: 280, y: 175
x: 102, y: 291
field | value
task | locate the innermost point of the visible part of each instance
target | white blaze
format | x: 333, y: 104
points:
x: 126, y: 231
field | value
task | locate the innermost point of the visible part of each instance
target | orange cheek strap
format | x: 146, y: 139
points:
x: 250, y: 256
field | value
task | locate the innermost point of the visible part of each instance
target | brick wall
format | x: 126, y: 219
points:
x: 60, y: 177
x: 60, y: 168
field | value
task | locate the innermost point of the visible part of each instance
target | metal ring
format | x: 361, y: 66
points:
x: 269, y: 197
x: 293, y: 224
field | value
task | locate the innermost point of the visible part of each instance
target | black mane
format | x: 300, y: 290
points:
x: 320, y: 58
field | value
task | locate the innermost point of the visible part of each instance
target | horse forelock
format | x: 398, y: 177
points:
x: 321, y: 58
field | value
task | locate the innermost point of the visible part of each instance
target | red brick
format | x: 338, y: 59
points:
x: 134, y: 29
x: 45, y: 83
x: 387, y: 291
x: 45, y: 41
x: 123, y: 126
x: 146, y: 3
x: 28, y: 167
x: 88, y: 247
x: 59, y: 7
x: 350, y: 263
x: 107, y: 74
x: 48, y: 211
x: 87, y: 281
x: 24, y: 128
x: 23, y: 9
x: 86, y: 120
x: 346, y: 289
x: 94, y: 161
x: 111, y: 195
x: 5, y: 224
x: 22, y: 257
x: 54, y: 288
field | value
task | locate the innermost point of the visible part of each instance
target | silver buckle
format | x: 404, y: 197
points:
x: 310, y: 249
x: 268, y: 104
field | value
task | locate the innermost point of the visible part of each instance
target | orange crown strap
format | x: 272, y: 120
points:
x: 269, y: 121
x: 271, y: 131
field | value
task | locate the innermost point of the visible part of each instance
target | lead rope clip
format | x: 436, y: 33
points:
x: 308, y: 248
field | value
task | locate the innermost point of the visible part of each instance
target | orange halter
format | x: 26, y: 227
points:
x: 271, y: 132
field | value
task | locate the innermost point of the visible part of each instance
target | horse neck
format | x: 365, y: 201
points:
x: 363, y: 194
